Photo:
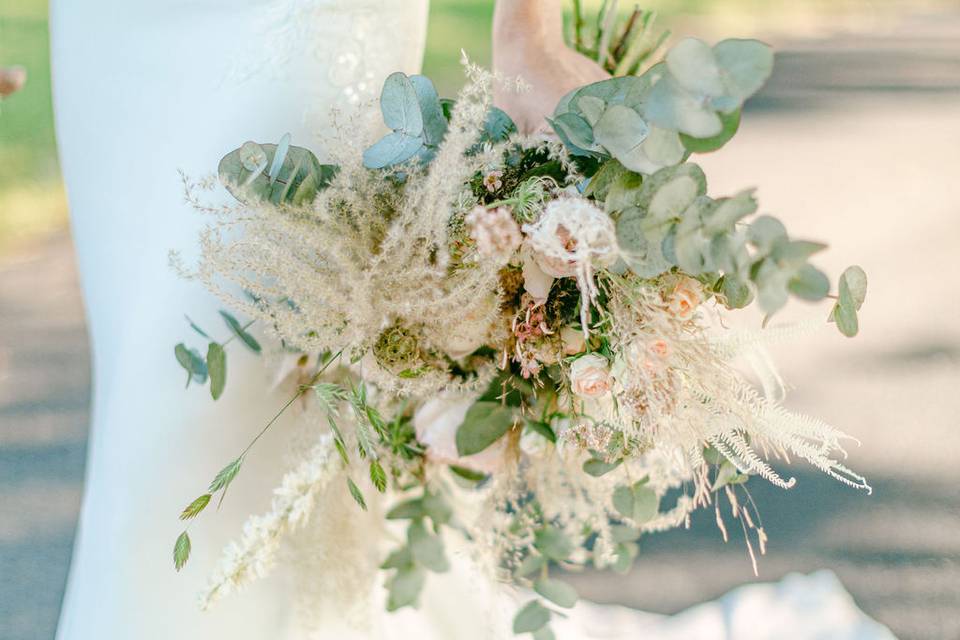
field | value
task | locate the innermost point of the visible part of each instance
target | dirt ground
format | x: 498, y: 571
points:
x: 855, y: 142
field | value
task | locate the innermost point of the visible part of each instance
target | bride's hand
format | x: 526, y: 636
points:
x: 528, y: 42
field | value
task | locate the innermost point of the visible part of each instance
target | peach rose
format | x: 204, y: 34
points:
x: 590, y: 376
x: 685, y: 299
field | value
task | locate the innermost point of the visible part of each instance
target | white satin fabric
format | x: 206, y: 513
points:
x: 143, y: 88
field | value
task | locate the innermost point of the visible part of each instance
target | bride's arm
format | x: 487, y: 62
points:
x: 528, y: 42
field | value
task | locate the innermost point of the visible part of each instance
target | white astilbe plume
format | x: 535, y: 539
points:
x: 697, y: 397
x: 293, y: 501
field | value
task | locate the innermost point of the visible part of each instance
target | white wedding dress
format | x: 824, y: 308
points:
x: 142, y: 89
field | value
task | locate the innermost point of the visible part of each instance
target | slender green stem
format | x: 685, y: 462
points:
x: 577, y: 24
x: 300, y: 391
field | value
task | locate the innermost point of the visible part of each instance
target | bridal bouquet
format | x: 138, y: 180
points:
x: 517, y: 339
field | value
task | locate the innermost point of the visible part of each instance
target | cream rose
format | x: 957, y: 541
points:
x: 573, y: 341
x: 590, y: 376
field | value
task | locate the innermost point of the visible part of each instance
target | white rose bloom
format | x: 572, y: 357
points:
x: 590, y: 376
x: 436, y: 423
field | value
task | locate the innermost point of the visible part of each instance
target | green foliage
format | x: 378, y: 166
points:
x: 427, y: 549
x: 638, y: 503
x: 728, y: 475
x: 295, y: 176
x: 217, y: 367
x: 484, y: 424
x: 192, y: 362
x: 553, y: 543
x: 697, y: 83
x: 557, y: 592
x: 404, y: 587
x: 852, y: 293
x: 181, y: 551
x: 225, y: 476
x: 412, y: 109
x: 532, y: 617
x: 356, y: 493
x: 194, y: 508
x: 689, y: 103
x: 597, y: 467
x: 240, y: 331
x: 378, y: 476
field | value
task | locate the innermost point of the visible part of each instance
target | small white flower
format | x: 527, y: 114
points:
x: 590, y: 376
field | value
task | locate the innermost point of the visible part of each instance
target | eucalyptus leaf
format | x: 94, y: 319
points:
x: 765, y: 232
x: 403, y: 589
x: 410, y: 509
x: 544, y: 633
x: 553, y: 543
x: 400, y: 105
x: 530, y: 565
x: 484, y: 424
x: 597, y: 467
x: 431, y: 112
x: 297, y: 181
x: 729, y: 122
x: 531, y: 618
x: 557, y: 592
x: 638, y: 503
x: 736, y: 292
x: 279, y: 156
x: 668, y: 192
x: 400, y: 559
x: 621, y: 131
x: 192, y: 362
x: 498, y: 126
x: 809, y: 283
x: 391, y: 149
x: 642, y: 245
x: 427, y: 549
x: 240, y: 332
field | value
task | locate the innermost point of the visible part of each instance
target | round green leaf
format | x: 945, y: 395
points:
x: 532, y: 617
x: 557, y: 592
x: 404, y: 587
x: 553, y: 543
x: 809, y: 283
x: 484, y: 424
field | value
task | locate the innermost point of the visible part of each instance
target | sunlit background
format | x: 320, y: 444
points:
x: 856, y: 141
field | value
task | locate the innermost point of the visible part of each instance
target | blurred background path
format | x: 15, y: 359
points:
x: 856, y: 141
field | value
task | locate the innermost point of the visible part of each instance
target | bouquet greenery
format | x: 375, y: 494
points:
x: 516, y: 339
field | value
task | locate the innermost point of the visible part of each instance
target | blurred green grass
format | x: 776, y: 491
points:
x: 32, y: 198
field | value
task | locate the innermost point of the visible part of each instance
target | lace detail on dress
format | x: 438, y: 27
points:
x: 345, y: 45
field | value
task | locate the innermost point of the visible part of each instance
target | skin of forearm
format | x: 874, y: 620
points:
x: 528, y: 42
